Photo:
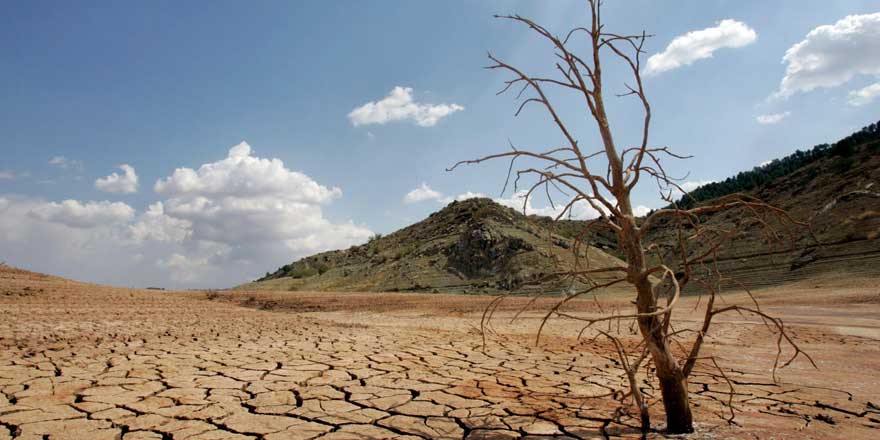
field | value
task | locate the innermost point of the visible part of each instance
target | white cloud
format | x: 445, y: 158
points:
x: 641, y: 210
x: 127, y: 183
x: 224, y: 223
x: 579, y: 211
x: 518, y: 202
x: 422, y: 193
x: 187, y: 269
x: 425, y: 193
x: 65, y: 163
x: 463, y: 196
x: 831, y: 55
x: 399, y: 105
x: 154, y: 224
x: 82, y: 240
x: 76, y: 214
x: 7, y: 175
x: 864, y: 95
x: 256, y: 209
x: 697, y: 45
x: 772, y: 118
x: 691, y: 185
x: 243, y: 176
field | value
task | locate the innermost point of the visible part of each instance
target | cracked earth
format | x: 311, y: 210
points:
x: 79, y: 361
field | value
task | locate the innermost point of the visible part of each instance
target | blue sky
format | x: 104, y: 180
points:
x: 165, y: 85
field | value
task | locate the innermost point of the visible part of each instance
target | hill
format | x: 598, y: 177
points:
x: 833, y: 187
x: 474, y: 245
x: 479, y: 246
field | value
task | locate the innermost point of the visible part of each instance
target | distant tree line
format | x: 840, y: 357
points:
x: 760, y: 175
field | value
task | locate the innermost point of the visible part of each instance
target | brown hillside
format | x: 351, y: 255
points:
x: 839, y: 196
x: 474, y: 245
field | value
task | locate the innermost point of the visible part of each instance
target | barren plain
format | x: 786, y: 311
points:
x: 80, y: 361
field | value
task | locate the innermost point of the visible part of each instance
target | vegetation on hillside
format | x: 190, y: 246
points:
x: 749, y: 180
x: 474, y: 245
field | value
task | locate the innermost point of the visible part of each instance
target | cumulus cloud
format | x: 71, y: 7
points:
x: 256, y: 209
x: 831, y: 55
x: 463, y: 196
x: 641, y: 210
x: 126, y: 183
x: 697, y: 45
x: 65, y: 163
x: 76, y: 214
x: 154, y: 224
x: 398, y: 106
x: 422, y: 193
x: 221, y: 224
x: 82, y: 240
x: 243, y: 176
x: 691, y: 185
x: 864, y: 96
x: 425, y: 193
x: 772, y: 118
x: 187, y: 268
x: 244, y: 200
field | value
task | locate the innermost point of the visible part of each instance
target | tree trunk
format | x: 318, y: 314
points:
x: 673, y: 383
x: 673, y: 387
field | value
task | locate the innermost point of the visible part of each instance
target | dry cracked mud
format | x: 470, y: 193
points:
x: 80, y: 361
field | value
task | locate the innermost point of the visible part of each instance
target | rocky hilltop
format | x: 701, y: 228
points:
x: 474, y: 245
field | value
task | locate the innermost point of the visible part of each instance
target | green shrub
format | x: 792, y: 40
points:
x: 303, y: 272
x: 322, y: 268
x: 842, y: 148
x: 842, y: 164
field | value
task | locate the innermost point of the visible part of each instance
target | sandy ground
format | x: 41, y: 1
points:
x: 90, y: 362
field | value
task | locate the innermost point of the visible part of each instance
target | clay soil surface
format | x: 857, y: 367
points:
x: 81, y: 361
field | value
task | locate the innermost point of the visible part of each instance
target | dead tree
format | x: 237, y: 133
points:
x: 603, y: 178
